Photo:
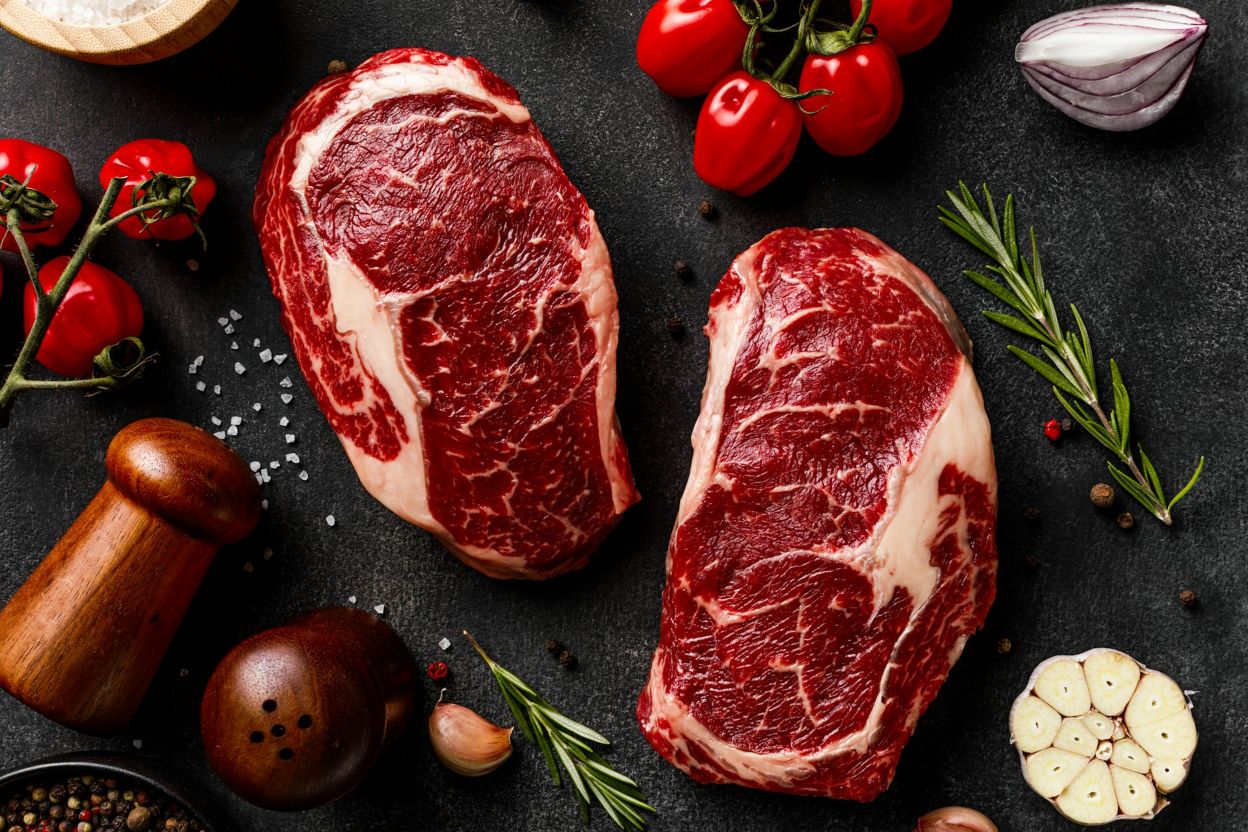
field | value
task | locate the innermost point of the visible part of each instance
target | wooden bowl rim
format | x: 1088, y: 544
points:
x: 143, y: 31
x: 143, y: 770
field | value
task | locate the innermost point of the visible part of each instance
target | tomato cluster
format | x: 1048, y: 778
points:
x: 848, y: 94
x: 100, y: 309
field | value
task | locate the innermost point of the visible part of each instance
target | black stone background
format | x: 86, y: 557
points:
x: 1145, y: 231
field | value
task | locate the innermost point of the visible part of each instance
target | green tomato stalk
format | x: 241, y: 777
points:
x: 20, y: 203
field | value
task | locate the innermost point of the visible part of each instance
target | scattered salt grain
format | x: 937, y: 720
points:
x: 200, y: 386
x: 259, y: 478
x: 232, y: 430
x: 303, y: 475
x: 216, y: 421
x: 233, y: 345
x: 445, y: 643
x: 229, y: 330
x: 266, y: 355
x: 255, y: 465
x: 236, y: 420
x: 264, y: 473
x: 284, y: 421
x: 138, y: 743
x: 184, y: 673
x: 329, y: 520
x: 256, y: 343
x: 223, y: 321
x: 234, y: 316
x: 351, y: 600
x: 292, y: 458
x: 380, y: 609
x: 286, y: 382
x: 290, y: 439
x: 279, y: 359
x: 199, y: 361
x: 275, y: 464
x: 257, y: 407
x: 193, y: 369
x: 220, y: 434
x: 264, y: 504
x: 239, y: 368
x: 287, y: 398
x: 216, y: 389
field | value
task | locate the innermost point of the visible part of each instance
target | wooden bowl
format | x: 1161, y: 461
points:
x: 158, y: 34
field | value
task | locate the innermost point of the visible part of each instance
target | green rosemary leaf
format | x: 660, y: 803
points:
x: 578, y: 782
x: 1151, y: 473
x: 604, y: 771
x: 517, y: 710
x: 1019, y: 326
x: 573, y: 727
x: 1011, y: 232
x: 1122, y: 407
x: 1086, y: 421
x: 964, y: 231
x: 1001, y: 293
x: 608, y: 806
x: 1089, y: 365
x: 543, y: 743
x: 1051, y: 375
x: 1200, y: 466
x: 1068, y: 372
x: 1132, y: 487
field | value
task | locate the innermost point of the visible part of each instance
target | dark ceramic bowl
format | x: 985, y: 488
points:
x: 137, y: 770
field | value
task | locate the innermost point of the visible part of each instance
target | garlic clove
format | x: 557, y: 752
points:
x: 1090, y: 798
x: 1074, y: 736
x: 466, y: 742
x: 1101, y: 726
x: 1034, y: 724
x: 1173, y: 738
x: 1130, y: 756
x: 1112, y: 678
x: 1050, y: 771
x: 1158, y: 697
x: 955, y: 819
x: 1063, y: 685
x: 1168, y: 775
x: 1135, y: 792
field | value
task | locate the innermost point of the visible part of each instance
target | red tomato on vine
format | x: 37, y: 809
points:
x: 136, y: 162
x: 867, y: 94
x: 688, y: 45
x: 747, y: 134
x: 55, y: 199
x: 907, y: 25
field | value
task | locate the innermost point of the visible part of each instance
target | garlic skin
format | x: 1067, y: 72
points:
x: 1102, y: 737
x: 955, y: 819
x: 466, y: 742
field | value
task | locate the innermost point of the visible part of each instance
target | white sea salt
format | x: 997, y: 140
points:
x: 329, y: 520
x: 290, y: 439
x: 200, y: 386
x: 303, y: 475
x: 94, y: 12
x: 293, y: 458
x: 445, y: 643
x: 284, y: 421
x: 287, y: 398
x: 266, y: 355
x: 216, y: 421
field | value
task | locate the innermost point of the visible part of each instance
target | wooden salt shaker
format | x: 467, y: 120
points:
x: 83, y: 637
x: 296, y: 716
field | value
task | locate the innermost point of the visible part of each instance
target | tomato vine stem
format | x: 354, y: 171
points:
x: 48, y: 301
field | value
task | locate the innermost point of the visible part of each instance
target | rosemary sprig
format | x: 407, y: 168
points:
x: 1067, y: 361
x: 569, y: 742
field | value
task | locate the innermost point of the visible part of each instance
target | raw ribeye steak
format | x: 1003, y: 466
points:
x: 450, y: 300
x: 834, y: 547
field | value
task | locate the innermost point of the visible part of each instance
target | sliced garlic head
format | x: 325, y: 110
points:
x: 1102, y: 737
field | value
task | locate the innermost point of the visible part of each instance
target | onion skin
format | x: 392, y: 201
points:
x: 955, y: 819
x: 1117, y: 68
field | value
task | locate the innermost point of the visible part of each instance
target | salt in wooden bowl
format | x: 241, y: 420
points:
x: 158, y: 34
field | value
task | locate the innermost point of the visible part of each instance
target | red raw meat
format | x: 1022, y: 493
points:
x: 450, y: 301
x: 835, y: 543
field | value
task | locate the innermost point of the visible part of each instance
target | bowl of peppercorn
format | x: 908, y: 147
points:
x: 98, y: 792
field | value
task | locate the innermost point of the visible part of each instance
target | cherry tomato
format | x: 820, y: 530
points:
x: 99, y: 310
x: 865, y: 82
x: 50, y: 174
x: 747, y: 134
x: 688, y: 45
x: 907, y: 25
x: 137, y: 161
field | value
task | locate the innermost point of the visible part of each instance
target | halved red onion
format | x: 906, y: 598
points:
x: 1117, y: 67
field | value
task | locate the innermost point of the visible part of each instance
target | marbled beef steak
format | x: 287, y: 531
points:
x: 450, y: 300
x: 835, y: 546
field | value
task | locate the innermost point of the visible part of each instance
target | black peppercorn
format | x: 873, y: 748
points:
x: 336, y: 66
x: 1004, y: 645
x: 57, y: 794
x: 1126, y: 520
x: 1188, y: 598
x: 706, y: 209
x: 682, y: 269
x: 1102, y: 495
x: 567, y: 659
x: 553, y: 646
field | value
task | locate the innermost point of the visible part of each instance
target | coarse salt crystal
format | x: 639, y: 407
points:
x: 284, y: 421
x: 264, y: 504
x: 193, y: 369
x: 216, y: 421
x: 220, y: 434
x: 229, y: 330
x: 236, y: 420
x: 287, y: 398
x: 256, y: 343
x: 351, y: 600
x: 199, y: 361
x: 329, y: 520
x: 232, y: 430
x: 256, y: 407
x: 239, y: 368
x: 216, y: 389
x: 380, y: 609
x: 279, y: 359
x: 290, y: 439
x: 138, y: 743
x: 293, y: 458
x: 235, y: 316
x: 233, y: 345
x: 303, y: 475
x: 255, y: 466
x: 266, y: 355
x: 275, y: 464
x: 445, y: 643
x: 223, y: 321
x: 200, y: 386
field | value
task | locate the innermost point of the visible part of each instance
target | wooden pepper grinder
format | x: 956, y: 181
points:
x: 295, y: 717
x: 83, y: 637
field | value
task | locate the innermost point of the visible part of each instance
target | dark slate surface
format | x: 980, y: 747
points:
x: 1144, y: 231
